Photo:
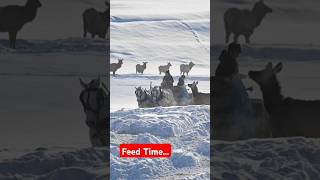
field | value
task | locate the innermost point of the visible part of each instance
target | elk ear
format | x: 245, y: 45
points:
x: 83, y: 84
x: 197, y: 83
x: 269, y: 65
x: 277, y: 68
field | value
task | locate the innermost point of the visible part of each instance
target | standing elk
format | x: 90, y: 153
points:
x: 140, y: 68
x: 95, y: 22
x: 13, y: 18
x: 115, y: 66
x: 163, y: 69
x: 243, y: 22
x: 185, y: 68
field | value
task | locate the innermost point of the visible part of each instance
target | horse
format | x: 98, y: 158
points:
x: 143, y: 98
x: 162, y: 97
x: 95, y: 99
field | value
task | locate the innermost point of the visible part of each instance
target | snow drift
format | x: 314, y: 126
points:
x: 187, y: 129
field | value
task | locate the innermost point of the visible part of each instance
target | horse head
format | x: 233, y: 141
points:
x: 94, y: 98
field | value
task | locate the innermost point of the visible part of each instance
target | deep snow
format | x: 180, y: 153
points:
x: 187, y: 129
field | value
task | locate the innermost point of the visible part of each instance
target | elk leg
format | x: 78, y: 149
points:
x: 235, y: 38
x: 12, y: 39
x: 84, y: 31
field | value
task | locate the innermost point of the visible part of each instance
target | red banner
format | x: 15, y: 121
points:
x: 145, y: 150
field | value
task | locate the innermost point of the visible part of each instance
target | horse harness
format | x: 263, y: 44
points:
x: 102, y: 97
x: 158, y: 98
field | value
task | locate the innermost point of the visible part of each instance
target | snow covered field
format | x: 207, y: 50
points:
x: 157, y: 32
x: 187, y: 129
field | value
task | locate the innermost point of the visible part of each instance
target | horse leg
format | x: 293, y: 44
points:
x: 94, y: 139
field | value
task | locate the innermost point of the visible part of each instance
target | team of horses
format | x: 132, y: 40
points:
x: 175, y: 96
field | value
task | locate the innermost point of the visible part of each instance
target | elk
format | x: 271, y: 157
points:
x: 197, y: 97
x: 115, y: 66
x: 95, y: 22
x: 140, y: 68
x: 288, y: 117
x: 163, y: 69
x: 13, y: 18
x: 185, y: 68
x: 243, y: 22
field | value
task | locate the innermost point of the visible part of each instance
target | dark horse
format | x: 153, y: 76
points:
x: 95, y: 99
x: 288, y: 117
x: 243, y: 22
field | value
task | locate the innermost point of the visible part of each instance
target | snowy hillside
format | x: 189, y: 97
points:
x: 157, y: 32
x: 187, y: 129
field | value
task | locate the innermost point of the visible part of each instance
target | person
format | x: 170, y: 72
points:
x: 228, y: 70
x: 181, y: 80
x: 167, y: 81
x: 228, y: 66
